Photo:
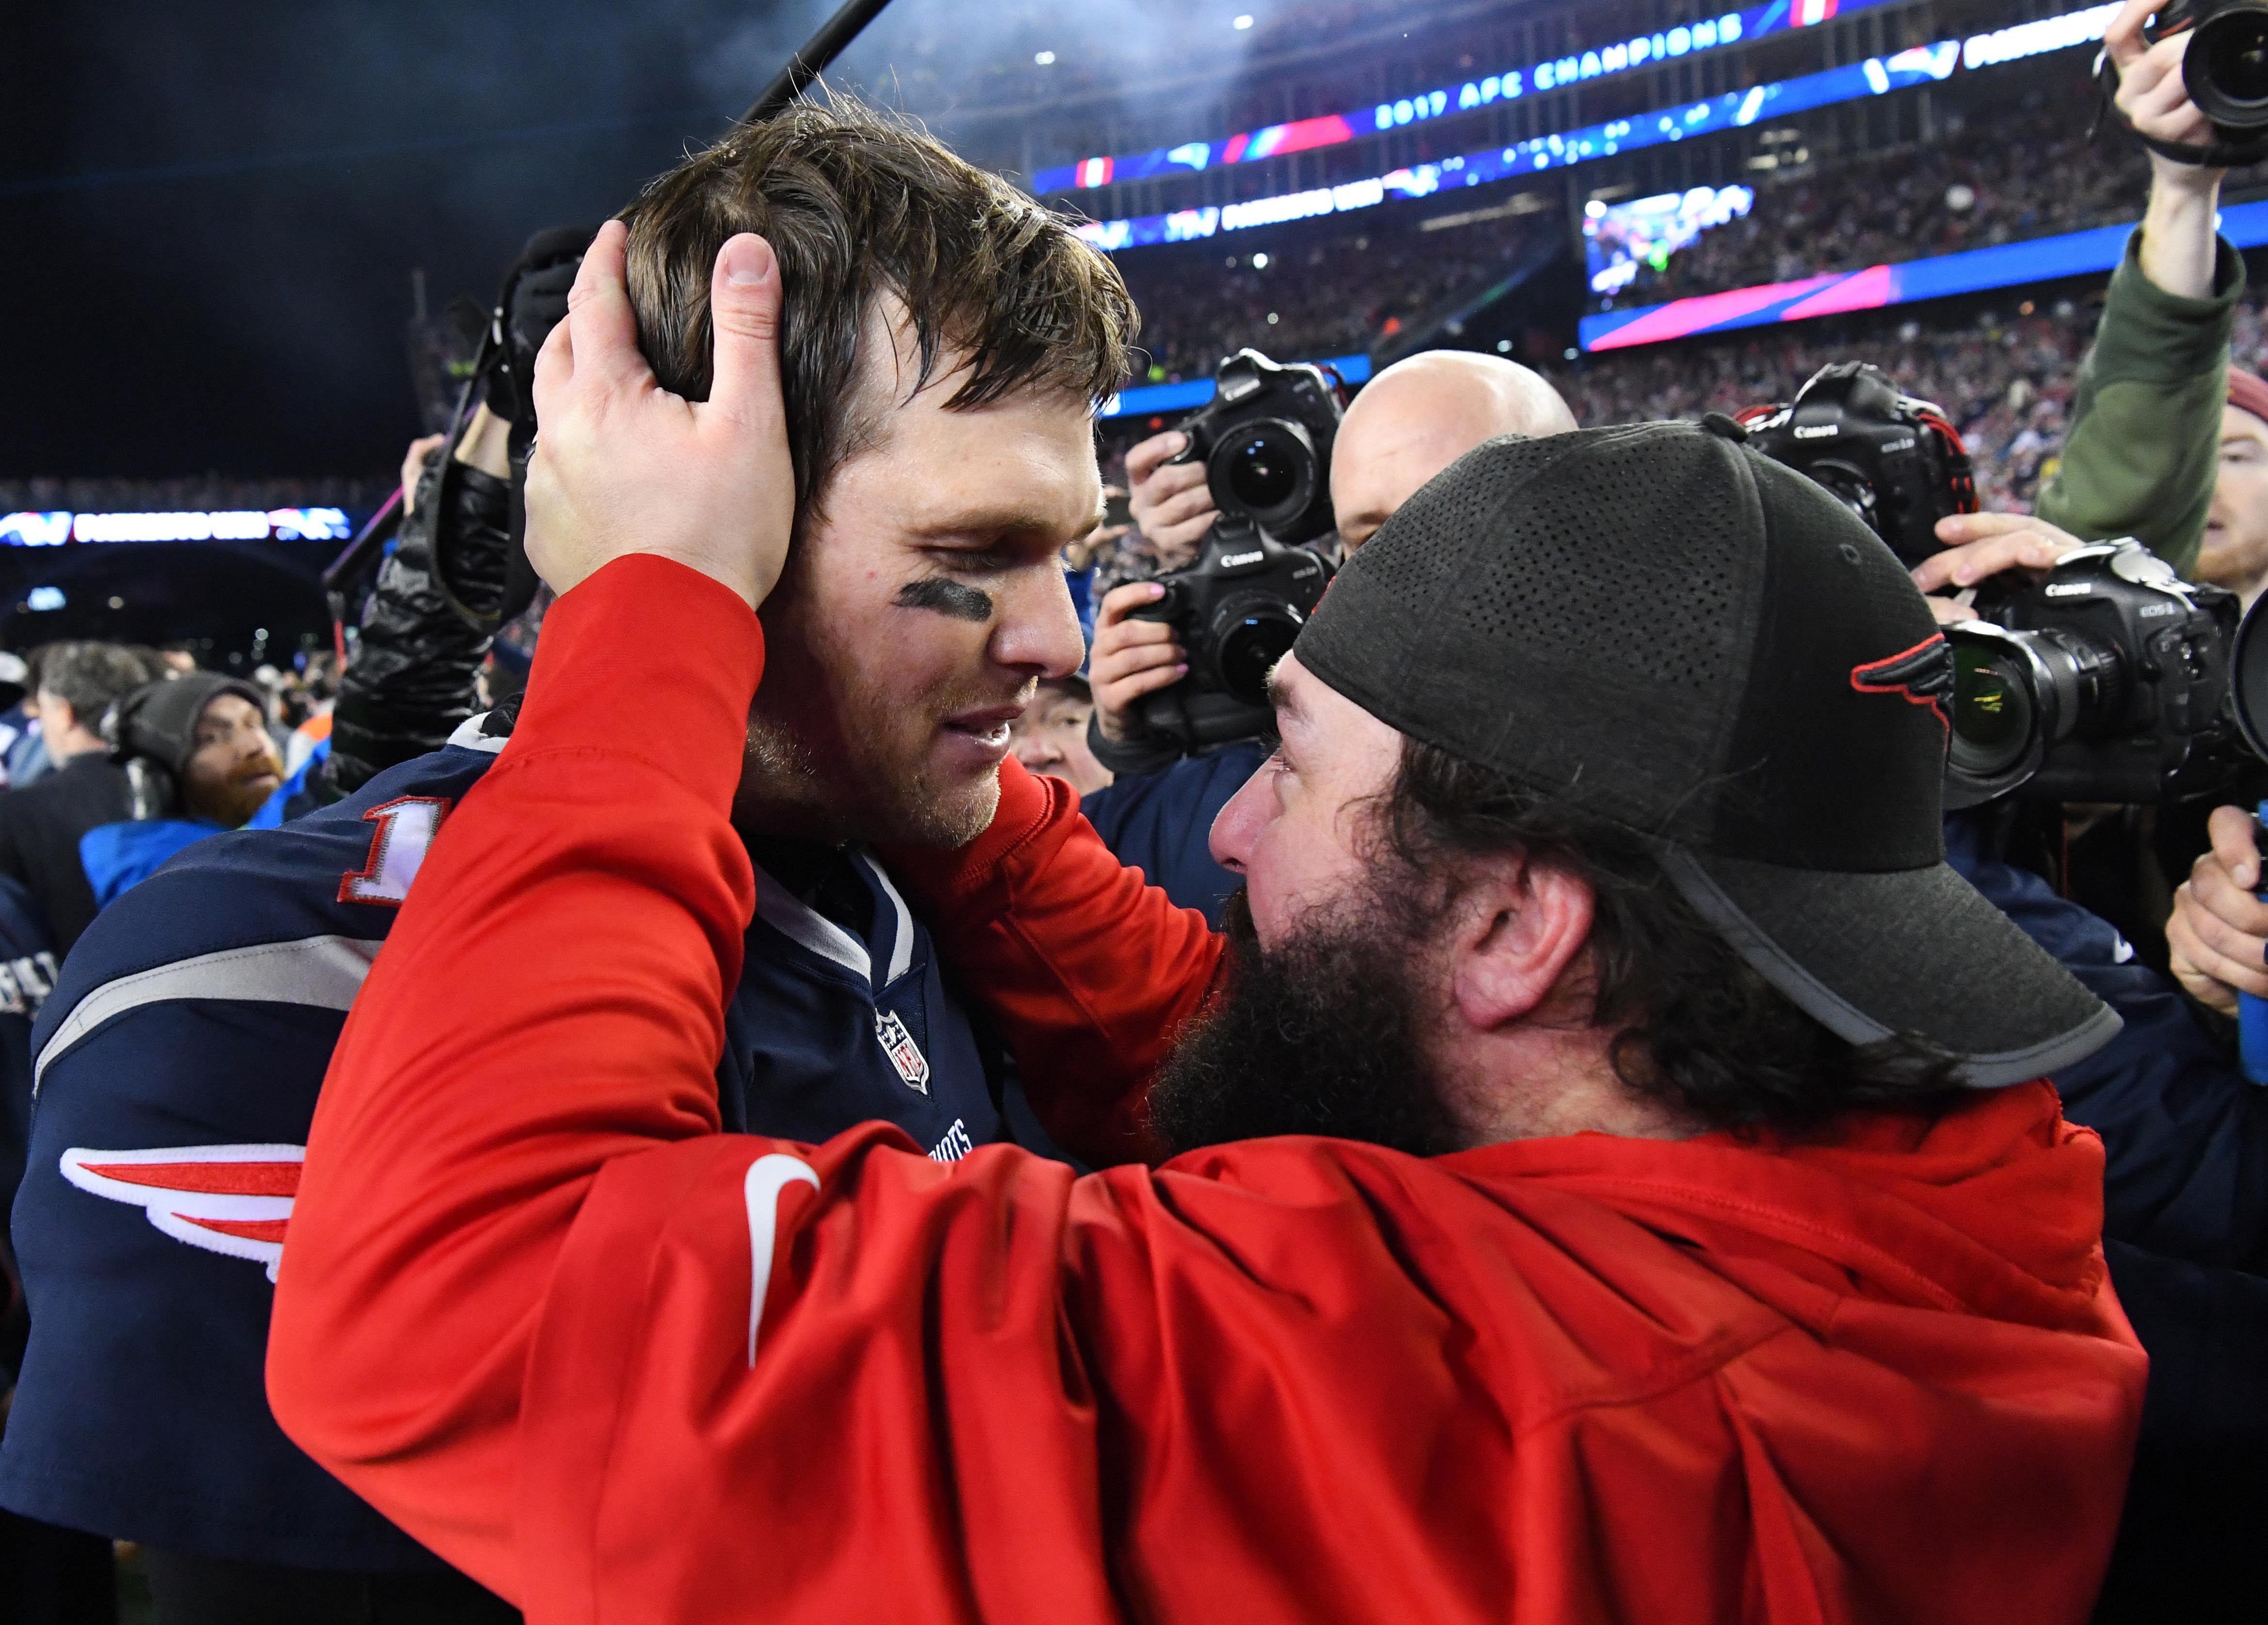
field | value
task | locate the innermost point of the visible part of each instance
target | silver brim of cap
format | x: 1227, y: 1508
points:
x: 1911, y: 950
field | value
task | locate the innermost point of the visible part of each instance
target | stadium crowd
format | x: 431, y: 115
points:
x: 1997, y: 180
x: 1333, y: 288
x: 623, y: 1101
x: 2005, y: 380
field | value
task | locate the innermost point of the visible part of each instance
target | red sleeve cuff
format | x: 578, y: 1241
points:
x: 649, y: 657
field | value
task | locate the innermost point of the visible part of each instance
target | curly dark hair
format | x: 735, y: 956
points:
x: 1697, y: 1027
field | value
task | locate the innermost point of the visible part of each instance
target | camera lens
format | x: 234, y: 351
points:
x: 1250, y: 646
x: 2226, y: 67
x: 1993, y: 711
x: 1261, y: 475
x: 1267, y: 471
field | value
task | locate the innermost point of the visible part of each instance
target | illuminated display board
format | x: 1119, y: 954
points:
x: 55, y: 527
x: 1620, y: 238
x: 2042, y: 259
x: 1305, y: 135
x: 1735, y: 109
x: 1877, y: 76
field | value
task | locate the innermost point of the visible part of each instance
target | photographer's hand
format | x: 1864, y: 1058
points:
x: 2218, y: 935
x: 1978, y: 545
x: 1131, y: 658
x: 2177, y: 228
x: 1171, y: 504
x: 622, y: 465
x: 413, y: 468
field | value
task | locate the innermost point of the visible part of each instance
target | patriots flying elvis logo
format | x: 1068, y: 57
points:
x: 231, y: 1199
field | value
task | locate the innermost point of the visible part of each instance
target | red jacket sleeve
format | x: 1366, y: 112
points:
x: 1088, y: 972
x: 551, y: 997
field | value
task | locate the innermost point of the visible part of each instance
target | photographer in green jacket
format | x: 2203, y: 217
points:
x: 2143, y: 451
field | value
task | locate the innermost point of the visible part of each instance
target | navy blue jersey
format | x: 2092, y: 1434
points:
x: 177, y: 1065
x: 28, y: 972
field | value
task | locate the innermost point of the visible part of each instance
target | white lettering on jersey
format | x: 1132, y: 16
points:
x: 904, y: 1054
x: 955, y: 1145
x: 768, y: 1176
x: 230, y: 1199
x: 405, y: 829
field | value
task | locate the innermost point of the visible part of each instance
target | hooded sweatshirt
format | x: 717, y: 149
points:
x: 617, y: 1364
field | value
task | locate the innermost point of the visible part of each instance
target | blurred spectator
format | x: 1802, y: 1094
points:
x: 41, y: 824
x: 16, y: 713
x: 1050, y: 736
x: 198, y: 754
x: 2236, y: 551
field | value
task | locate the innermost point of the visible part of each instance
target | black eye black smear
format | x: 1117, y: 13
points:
x: 947, y: 598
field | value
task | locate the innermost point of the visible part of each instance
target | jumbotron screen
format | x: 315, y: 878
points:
x: 1618, y: 238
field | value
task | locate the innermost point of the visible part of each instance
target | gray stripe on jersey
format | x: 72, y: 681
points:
x: 800, y: 923
x: 323, y: 972
x: 902, y: 946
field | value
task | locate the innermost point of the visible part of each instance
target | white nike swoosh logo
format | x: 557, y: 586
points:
x: 768, y: 1176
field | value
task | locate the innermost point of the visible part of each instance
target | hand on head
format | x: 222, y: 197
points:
x: 622, y: 465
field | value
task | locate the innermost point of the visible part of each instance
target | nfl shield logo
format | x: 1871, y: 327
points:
x: 904, y: 1054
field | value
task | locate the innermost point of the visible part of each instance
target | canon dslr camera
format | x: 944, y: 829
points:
x: 1897, y: 462
x: 2108, y: 678
x: 1265, y: 442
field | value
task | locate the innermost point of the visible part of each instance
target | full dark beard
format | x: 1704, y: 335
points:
x: 1323, y: 1034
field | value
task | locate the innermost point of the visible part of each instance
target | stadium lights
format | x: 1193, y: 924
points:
x: 1243, y: 22
x: 1045, y: 59
x: 52, y: 529
x: 1259, y: 262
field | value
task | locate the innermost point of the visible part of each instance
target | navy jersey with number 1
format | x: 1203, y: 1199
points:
x: 176, y: 1069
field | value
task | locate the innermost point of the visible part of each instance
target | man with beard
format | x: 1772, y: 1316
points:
x: 1756, y: 1275
x: 946, y: 341
x: 199, y: 759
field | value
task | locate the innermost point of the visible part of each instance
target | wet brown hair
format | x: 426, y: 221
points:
x: 860, y: 206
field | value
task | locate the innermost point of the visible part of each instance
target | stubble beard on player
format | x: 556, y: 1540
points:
x: 885, y: 794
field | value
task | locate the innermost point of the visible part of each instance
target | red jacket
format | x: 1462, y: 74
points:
x: 620, y: 1366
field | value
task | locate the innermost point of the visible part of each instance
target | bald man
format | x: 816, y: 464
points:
x: 1413, y: 421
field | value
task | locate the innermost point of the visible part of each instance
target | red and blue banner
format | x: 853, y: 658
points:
x: 2074, y: 253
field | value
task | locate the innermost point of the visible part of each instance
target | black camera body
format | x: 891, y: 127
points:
x: 2108, y: 679
x: 1897, y: 462
x: 1235, y: 612
x: 1265, y: 442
